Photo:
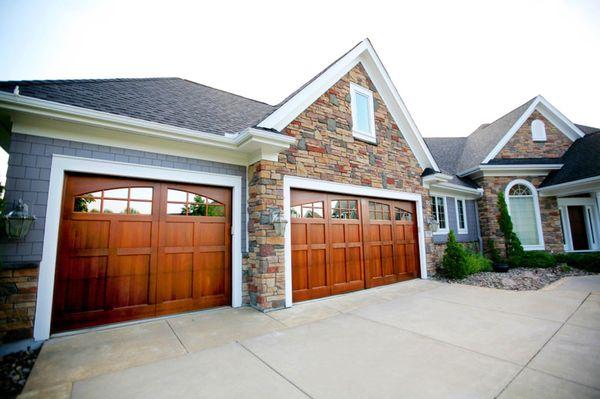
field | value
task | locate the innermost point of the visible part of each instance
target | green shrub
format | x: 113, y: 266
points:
x: 565, y: 268
x: 477, y: 263
x: 512, y: 243
x: 533, y: 259
x: 454, y: 261
x: 587, y: 261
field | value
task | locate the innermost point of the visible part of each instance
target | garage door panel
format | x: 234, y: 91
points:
x: 177, y: 234
x: 134, y: 234
x: 128, y: 282
x: 387, y: 260
x: 175, y: 272
x: 209, y: 277
x: 317, y: 233
x: 299, y: 234
x: 88, y: 234
x: 300, y: 270
x: 85, y: 284
x: 338, y: 265
x: 210, y: 233
x: 354, y: 270
x: 352, y: 233
x: 318, y: 268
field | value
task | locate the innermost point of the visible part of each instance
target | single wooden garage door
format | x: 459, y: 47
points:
x: 344, y: 243
x: 132, y: 249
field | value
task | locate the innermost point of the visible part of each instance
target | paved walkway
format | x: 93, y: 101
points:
x: 417, y: 339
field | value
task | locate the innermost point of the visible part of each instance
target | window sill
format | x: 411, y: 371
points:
x: 441, y: 232
x: 462, y: 232
x: 540, y: 247
x: 364, y: 137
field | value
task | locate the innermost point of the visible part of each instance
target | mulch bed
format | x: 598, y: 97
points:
x: 14, y: 370
x: 518, y: 279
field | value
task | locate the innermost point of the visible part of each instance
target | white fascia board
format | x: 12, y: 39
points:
x: 549, y: 112
x: 250, y: 141
x: 589, y: 184
x: 454, y: 190
x: 511, y: 170
x: 365, y: 54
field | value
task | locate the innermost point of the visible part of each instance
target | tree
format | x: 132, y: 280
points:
x: 512, y: 244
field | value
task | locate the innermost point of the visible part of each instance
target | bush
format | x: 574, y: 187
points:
x: 533, y: 259
x: 477, y: 263
x: 494, y: 252
x: 589, y: 261
x: 454, y: 261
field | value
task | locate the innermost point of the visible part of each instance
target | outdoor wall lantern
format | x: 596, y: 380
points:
x: 18, y: 221
x: 278, y: 221
x: 433, y: 224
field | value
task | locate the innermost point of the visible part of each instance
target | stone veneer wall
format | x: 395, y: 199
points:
x: 18, y: 289
x: 488, y: 213
x: 325, y: 150
x: 522, y: 146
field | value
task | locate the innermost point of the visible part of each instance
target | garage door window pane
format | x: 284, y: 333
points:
x: 141, y: 193
x: 120, y: 193
x: 379, y: 211
x: 140, y: 208
x: 309, y: 210
x: 87, y: 204
x: 176, y: 209
x: 192, y: 204
x: 344, y: 209
x: 113, y: 206
x: 403, y: 215
x: 176, y: 196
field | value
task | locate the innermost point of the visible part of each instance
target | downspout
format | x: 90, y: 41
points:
x: 479, y: 238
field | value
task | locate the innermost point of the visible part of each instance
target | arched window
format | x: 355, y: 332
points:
x: 538, y: 130
x: 524, y: 209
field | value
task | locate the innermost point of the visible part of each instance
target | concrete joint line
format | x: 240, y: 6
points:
x: 274, y: 370
x: 542, y: 347
x: 177, y: 336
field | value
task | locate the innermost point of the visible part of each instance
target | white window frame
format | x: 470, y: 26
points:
x: 540, y: 246
x: 538, y: 130
x: 371, y: 135
x: 446, y: 229
x: 464, y: 230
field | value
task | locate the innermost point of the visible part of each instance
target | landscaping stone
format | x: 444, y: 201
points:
x: 14, y: 370
x: 518, y: 279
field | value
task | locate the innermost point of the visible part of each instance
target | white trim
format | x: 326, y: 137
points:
x: 366, y: 55
x: 254, y: 143
x: 446, y: 229
x: 573, y: 187
x: 548, y: 111
x: 290, y: 182
x: 591, y: 218
x: 370, y: 136
x: 62, y: 164
x: 510, y: 170
x: 536, y: 206
x: 465, y: 230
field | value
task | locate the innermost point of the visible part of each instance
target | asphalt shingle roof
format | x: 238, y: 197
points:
x: 447, y: 151
x: 580, y: 161
x: 171, y: 101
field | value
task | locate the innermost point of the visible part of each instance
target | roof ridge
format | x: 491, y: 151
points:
x: 74, y: 81
x: 484, y: 126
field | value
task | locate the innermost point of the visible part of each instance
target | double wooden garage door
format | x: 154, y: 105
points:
x: 345, y: 243
x: 131, y: 249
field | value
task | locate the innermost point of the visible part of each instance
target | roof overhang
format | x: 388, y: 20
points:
x: 590, y: 184
x: 510, y: 170
x: 439, y: 183
x: 549, y: 112
x: 365, y: 54
x: 245, y: 147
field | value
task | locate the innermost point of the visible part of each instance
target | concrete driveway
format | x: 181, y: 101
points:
x: 417, y: 339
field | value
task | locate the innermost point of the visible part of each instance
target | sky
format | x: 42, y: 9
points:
x: 456, y: 64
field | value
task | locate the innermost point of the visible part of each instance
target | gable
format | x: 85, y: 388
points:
x: 364, y: 54
x: 522, y: 144
x: 327, y: 149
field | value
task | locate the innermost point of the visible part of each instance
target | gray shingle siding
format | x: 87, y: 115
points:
x: 472, y: 223
x: 28, y: 177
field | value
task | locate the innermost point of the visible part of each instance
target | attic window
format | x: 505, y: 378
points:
x: 538, y: 130
x: 363, y: 116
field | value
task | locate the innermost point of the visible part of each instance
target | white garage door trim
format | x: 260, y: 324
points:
x: 290, y: 182
x: 62, y: 164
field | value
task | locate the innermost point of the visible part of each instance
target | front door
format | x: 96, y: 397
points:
x: 578, y: 229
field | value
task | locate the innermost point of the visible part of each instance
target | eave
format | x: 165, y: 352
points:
x: 510, y: 170
x: 590, y: 184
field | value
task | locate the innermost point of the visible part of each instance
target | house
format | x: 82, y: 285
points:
x: 161, y: 196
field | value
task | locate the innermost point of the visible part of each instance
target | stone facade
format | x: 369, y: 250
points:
x: 18, y: 289
x: 522, y: 146
x: 325, y: 150
x: 488, y: 213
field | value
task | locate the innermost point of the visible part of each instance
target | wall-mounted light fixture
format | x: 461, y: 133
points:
x: 278, y: 221
x: 18, y: 221
x: 433, y: 224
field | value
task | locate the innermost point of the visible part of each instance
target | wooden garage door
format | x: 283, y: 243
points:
x: 131, y: 249
x: 344, y: 243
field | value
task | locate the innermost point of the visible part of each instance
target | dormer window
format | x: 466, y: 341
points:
x: 538, y: 130
x: 363, y: 115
